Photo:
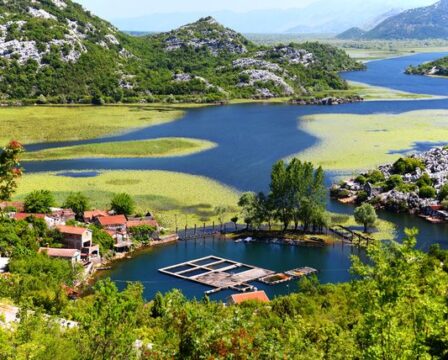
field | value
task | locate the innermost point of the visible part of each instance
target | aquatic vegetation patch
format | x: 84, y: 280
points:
x: 375, y: 93
x: 162, y: 147
x: 70, y: 123
x: 350, y: 142
x: 165, y: 193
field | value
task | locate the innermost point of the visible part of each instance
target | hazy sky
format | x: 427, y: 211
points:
x: 129, y: 8
x: 133, y: 8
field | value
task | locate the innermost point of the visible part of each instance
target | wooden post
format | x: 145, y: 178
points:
x: 194, y: 229
x: 185, y: 232
x: 213, y: 226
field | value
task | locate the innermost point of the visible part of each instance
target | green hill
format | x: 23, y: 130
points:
x: 55, y: 51
x: 354, y: 33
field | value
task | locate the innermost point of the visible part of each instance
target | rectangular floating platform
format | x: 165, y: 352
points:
x: 301, y: 272
x: 219, y: 273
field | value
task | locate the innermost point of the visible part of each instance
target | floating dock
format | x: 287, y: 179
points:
x: 218, y: 273
x: 301, y: 272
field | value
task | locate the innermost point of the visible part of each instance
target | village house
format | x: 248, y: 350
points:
x: 113, y: 223
x: 142, y: 222
x: 259, y: 296
x: 73, y: 255
x: 62, y: 215
x: 51, y: 221
x: 81, y: 239
x: 90, y: 216
x: 76, y: 237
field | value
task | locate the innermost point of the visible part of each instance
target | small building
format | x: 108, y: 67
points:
x: 142, y: 222
x: 62, y: 215
x: 90, y: 216
x: 259, y: 296
x: 76, y: 237
x: 4, y: 263
x: 114, y: 223
x: 91, y: 254
x: 73, y: 255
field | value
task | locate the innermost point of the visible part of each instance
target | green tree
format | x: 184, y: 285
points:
x: 79, y: 203
x: 39, y: 202
x: 221, y: 212
x: 10, y: 169
x: 281, y: 195
x: 123, y: 204
x: 366, y: 215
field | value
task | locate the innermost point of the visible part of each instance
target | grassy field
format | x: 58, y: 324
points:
x: 191, y: 198
x: 162, y: 147
x: 375, y: 93
x: 357, y: 142
x: 66, y: 123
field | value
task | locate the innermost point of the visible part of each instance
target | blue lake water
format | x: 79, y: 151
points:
x: 250, y: 139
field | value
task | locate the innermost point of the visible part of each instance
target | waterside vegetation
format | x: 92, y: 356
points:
x: 161, y: 147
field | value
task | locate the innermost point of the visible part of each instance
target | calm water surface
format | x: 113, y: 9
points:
x: 251, y: 138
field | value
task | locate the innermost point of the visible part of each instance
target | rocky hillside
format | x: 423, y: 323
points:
x: 433, y: 68
x: 409, y: 185
x: 429, y: 22
x: 55, y: 51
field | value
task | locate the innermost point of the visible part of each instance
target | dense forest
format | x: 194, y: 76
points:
x: 55, y: 51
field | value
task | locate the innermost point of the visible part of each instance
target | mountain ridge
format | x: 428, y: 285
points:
x: 430, y: 22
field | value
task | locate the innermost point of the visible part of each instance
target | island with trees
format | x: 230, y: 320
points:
x: 417, y: 184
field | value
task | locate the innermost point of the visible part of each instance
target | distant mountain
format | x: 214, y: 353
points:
x: 382, y: 17
x: 55, y: 51
x: 429, y: 22
x: 354, y: 33
x: 322, y: 16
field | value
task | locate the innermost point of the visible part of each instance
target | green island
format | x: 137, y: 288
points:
x: 350, y: 141
x: 433, y: 68
x: 161, y: 147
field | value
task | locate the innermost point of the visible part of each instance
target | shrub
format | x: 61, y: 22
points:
x: 407, y: 165
x: 361, y: 179
x: 424, y: 180
x: 427, y: 192
x: 375, y: 176
x: 78, y: 202
x: 39, y: 201
x: 394, y: 181
x: 443, y: 192
x: 362, y: 197
x: 123, y: 204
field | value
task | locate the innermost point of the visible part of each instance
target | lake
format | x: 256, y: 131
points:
x: 251, y: 138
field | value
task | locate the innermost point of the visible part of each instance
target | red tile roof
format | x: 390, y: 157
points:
x: 134, y: 223
x: 72, y: 230
x: 112, y: 220
x: 254, y: 296
x: 95, y: 213
x: 61, y: 253
x: 23, y: 216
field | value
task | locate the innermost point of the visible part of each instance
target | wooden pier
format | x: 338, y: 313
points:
x: 218, y: 273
